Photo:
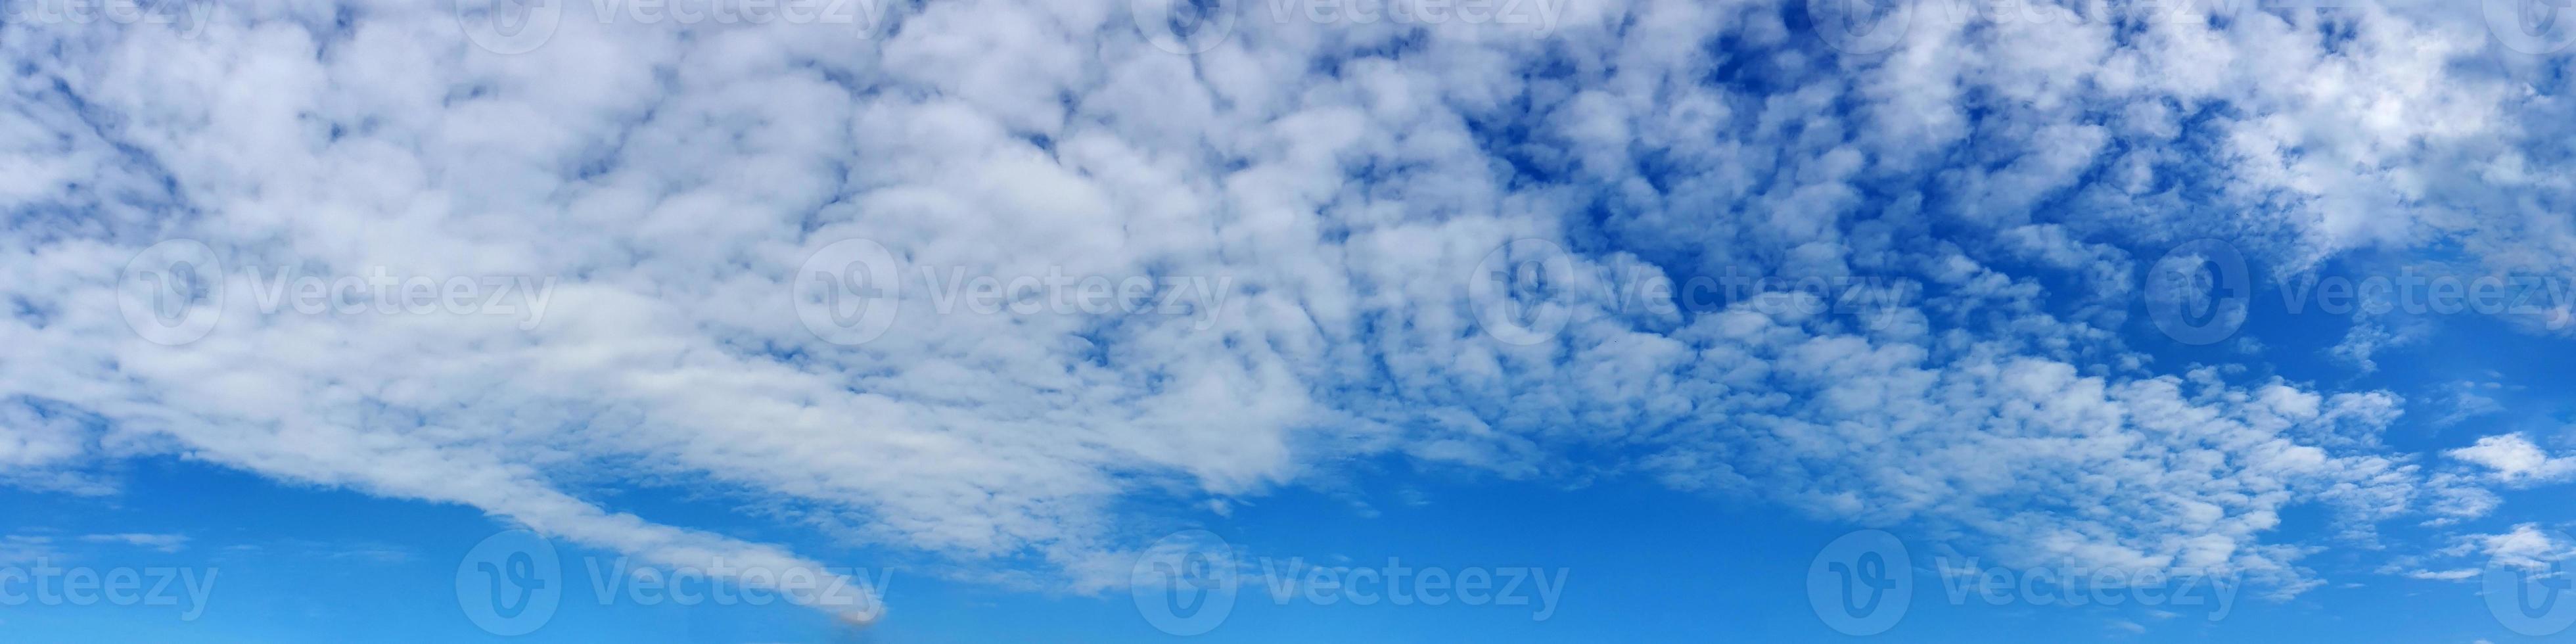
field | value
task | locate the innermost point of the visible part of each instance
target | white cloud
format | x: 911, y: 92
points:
x: 2513, y: 459
x: 155, y: 541
x: 21, y: 549
x: 2526, y: 546
x: 674, y: 187
x: 2462, y: 574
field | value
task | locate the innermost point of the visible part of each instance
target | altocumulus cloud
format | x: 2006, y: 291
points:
x: 1340, y: 184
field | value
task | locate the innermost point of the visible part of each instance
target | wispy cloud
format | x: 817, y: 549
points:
x: 161, y: 542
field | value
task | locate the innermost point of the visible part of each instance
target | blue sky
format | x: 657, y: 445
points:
x: 308, y: 564
x: 1259, y: 321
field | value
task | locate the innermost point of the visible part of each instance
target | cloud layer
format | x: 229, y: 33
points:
x: 1311, y: 205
